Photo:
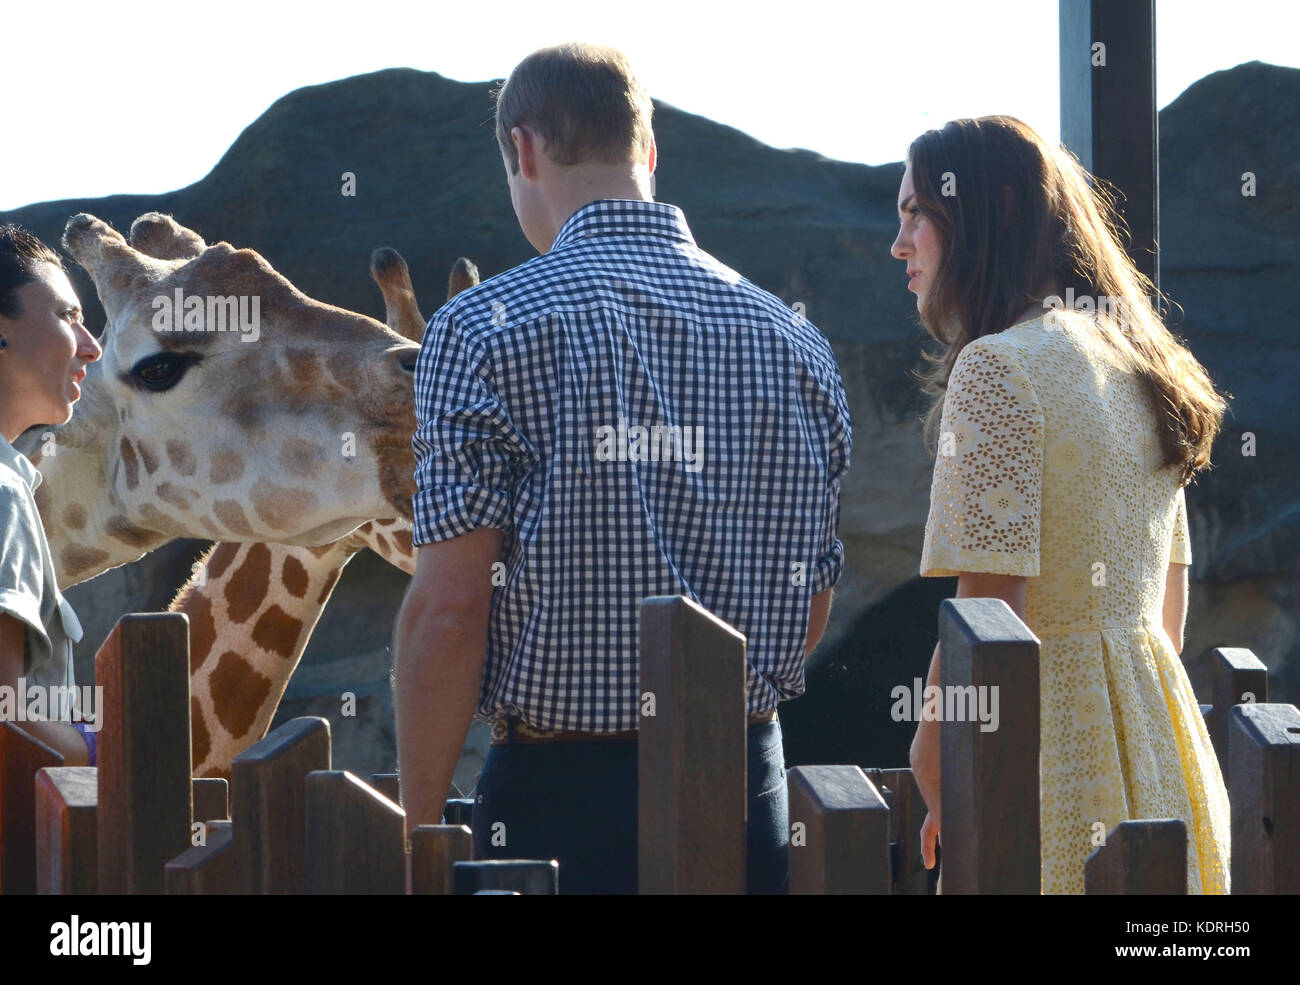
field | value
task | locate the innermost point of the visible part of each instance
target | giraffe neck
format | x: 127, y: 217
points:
x: 252, y: 609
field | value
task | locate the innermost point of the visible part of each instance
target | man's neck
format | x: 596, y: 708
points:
x: 584, y: 184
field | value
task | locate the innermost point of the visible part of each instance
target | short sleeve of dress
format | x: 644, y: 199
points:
x: 986, y: 493
x: 1181, y: 551
x: 20, y: 558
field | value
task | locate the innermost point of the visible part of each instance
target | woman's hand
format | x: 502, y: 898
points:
x: 925, y: 767
x: 929, y: 837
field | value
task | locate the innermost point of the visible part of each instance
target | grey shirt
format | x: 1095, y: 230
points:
x: 28, y: 588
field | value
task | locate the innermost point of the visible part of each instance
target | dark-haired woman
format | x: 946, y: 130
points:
x: 1069, y: 421
x: 44, y: 350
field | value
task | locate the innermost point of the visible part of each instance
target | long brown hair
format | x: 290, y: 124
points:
x: 1058, y: 230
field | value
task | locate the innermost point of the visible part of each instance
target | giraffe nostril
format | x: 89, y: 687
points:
x: 408, y: 359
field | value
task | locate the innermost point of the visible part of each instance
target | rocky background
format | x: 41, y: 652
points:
x: 429, y: 182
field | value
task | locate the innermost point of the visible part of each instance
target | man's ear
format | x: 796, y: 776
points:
x: 527, y: 149
x: 654, y: 155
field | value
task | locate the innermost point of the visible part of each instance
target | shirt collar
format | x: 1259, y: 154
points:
x: 624, y: 217
x: 16, y: 460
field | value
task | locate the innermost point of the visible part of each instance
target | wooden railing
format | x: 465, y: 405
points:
x: 289, y: 823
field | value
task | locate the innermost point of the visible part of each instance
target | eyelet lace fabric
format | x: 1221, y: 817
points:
x: 1049, y: 468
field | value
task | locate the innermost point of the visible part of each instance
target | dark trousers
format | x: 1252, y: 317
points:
x: 577, y: 802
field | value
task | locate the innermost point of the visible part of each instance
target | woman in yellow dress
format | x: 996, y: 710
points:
x: 1069, y: 421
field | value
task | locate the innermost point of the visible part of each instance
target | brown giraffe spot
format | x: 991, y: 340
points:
x: 75, y: 516
x: 200, y: 741
x: 248, y: 586
x: 277, y: 631
x: 132, y: 466
x: 232, y: 515
x: 212, y: 528
x: 227, y: 466
x: 403, y: 539
x: 120, y: 528
x: 320, y: 550
x: 156, y: 518
x: 175, y: 495
x: 219, y: 559
x: 238, y: 692
x: 78, y: 558
x: 382, y: 543
x: 301, y: 457
x: 328, y: 587
x: 42, y: 497
x: 181, y: 457
x: 203, y: 629
x: 279, y: 505
x: 294, y: 577
x: 149, y: 457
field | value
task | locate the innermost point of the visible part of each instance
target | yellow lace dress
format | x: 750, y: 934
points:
x: 1048, y: 468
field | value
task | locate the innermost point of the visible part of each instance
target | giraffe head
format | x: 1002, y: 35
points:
x: 228, y: 405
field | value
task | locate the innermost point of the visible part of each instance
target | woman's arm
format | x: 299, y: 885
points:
x: 1175, y: 607
x: 62, y: 737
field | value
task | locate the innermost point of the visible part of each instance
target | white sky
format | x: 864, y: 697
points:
x: 145, y: 96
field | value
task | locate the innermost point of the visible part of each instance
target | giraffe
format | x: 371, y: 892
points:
x: 252, y: 607
x: 297, y: 433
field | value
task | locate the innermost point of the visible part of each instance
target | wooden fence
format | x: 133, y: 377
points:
x: 289, y: 823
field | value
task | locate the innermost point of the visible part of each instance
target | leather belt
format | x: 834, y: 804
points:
x: 502, y: 729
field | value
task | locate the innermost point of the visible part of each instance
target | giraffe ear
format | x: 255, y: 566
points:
x: 162, y: 237
x: 464, y: 275
x: 401, y: 311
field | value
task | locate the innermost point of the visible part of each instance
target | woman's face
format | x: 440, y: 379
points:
x: 48, y: 347
x: 918, y: 242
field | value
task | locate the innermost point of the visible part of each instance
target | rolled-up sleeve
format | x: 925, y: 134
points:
x: 20, y: 559
x: 830, y: 562
x: 468, y: 453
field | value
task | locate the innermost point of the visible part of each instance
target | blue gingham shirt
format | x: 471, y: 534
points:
x: 528, y: 389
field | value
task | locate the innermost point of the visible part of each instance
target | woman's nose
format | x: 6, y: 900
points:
x: 900, y: 248
x: 90, y: 347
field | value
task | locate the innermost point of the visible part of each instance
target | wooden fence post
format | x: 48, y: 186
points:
x: 1140, y: 858
x: 691, y: 751
x: 1264, y: 750
x: 20, y: 757
x: 269, y: 805
x: 145, y: 803
x: 839, y: 832
x: 211, y: 799
x: 207, y: 869
x: 435, y: 850
x: 356, y: 836
x: 909, y: 876
x: 67, y: 846
x: 1237, y: 676
x: 989, y: 773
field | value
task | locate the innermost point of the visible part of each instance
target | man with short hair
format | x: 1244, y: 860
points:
x: 620, y: 417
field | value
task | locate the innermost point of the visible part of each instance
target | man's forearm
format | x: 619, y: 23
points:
x: 438, y: 662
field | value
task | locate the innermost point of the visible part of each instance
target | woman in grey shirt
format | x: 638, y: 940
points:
x: 44, y: 349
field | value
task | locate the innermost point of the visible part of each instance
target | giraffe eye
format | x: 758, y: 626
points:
x: 162, y: 370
